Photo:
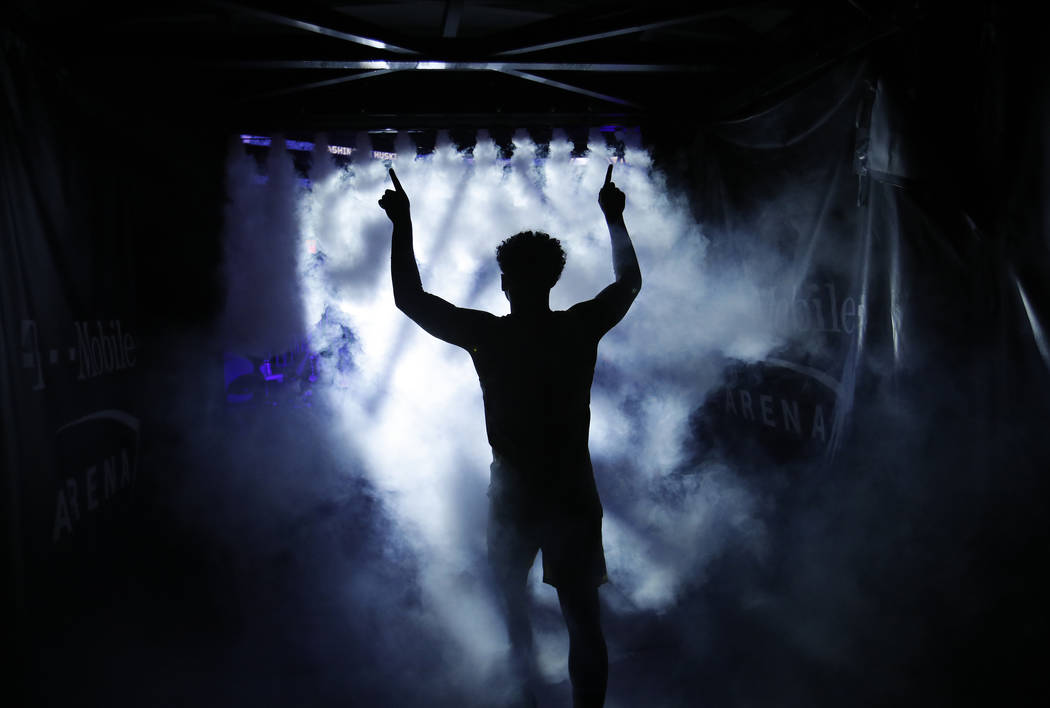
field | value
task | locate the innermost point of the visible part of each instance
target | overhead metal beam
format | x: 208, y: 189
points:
x: 300, y: 22
x: 469, y: 66
x: 453, y: 13
x: 321, y: 84
x: 562, y: 31
x: 503, y: 70
x: 601, y: 35
x: 419, y: 121
x: 569, y: 87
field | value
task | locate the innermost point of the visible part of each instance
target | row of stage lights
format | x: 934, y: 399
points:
x: 380, y: 143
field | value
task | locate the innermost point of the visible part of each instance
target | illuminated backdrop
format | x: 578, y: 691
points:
x: 408, y: 407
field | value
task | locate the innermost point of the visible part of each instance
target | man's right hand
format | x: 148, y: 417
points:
x: 611, y: 199
x: 395, y: 201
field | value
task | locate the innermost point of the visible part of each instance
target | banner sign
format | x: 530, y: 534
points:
x: 72, y: 354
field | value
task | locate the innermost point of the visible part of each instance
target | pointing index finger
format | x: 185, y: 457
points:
x: 397, y: 182
x: 608, y: 175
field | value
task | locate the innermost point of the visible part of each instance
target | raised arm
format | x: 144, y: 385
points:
x: 408, y: 288
x: 625, y: 262
x: 438, y: 317
x: 612, y: 303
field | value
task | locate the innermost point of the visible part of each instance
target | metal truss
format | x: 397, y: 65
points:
x: 554, y: 33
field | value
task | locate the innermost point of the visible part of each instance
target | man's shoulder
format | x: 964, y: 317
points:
x: 556, y: 318
x: 582, y: 313
x: 478, y: 316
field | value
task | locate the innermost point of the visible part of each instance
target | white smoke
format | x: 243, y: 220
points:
x: 410, y: 408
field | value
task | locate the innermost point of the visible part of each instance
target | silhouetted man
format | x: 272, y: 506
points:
x: 535, y: 366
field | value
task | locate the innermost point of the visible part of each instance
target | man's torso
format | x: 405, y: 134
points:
x: 536, y: 376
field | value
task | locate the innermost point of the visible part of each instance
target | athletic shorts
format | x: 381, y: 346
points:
x: 571, y: 548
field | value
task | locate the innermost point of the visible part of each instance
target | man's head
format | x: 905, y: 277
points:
x: 531, y: 261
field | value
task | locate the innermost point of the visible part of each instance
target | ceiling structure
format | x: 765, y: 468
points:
x: 333, y: 65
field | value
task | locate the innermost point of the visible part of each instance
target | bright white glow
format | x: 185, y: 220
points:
x: 411, y: 411
x: 427, y: 65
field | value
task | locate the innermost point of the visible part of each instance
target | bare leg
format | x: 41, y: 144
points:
x: 588, y: 656
x: 511, y: 556
x: 515, y: 599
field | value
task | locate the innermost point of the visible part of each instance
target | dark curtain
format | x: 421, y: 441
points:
x: 103, y: 272
x: 901, y: 199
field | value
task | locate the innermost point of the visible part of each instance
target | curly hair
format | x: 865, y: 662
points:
x: 532, y: 257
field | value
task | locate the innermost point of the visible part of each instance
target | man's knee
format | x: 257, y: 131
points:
x: 581, y: 608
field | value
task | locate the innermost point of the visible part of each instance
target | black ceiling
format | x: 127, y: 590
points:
x: 297, y: 65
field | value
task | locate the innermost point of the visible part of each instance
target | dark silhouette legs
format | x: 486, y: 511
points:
x: 511, y: 554
x: 588, y: 657
x: 515, y: 602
